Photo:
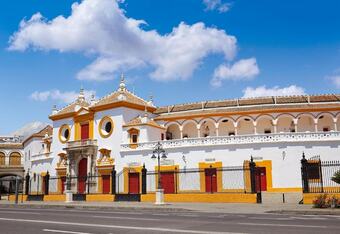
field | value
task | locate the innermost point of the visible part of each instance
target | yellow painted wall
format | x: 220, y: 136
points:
x: 206, y: 198
x: 56, y: 198
x: 309, y: 197
x: 100, y: 198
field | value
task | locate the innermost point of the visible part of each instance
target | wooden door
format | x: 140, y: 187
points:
x: 85, y: 131
x: 106, y: 184
x: 82, y: 173
x: 134, y: 183
x: 210, y: 180
x: 168, y: 182
x: 261, y: 179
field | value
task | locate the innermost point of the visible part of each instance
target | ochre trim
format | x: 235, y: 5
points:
x: 204, y: 165
x: 100, y: 127
x: 60, y: 132
x: 123, y: 104
x: 127, y: 170
x: 268, y: 165
x: 229, y: 114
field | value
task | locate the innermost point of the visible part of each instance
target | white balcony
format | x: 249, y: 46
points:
x: 241, y: 139
x: 81, y: 143
x: 41, y: 156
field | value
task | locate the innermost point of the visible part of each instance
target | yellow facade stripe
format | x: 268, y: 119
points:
x: 100, y: 198
x: 205, y: 198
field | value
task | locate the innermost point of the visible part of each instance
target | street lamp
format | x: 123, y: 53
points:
x: 160, y: 152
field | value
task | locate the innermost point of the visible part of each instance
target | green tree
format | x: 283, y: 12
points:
x: 336, y: 177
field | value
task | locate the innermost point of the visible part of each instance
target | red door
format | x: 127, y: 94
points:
x: 168, y: 182
x: 134, y: 183
x: 84, y: 131
x: 210, y: 180
x: 106, y: 184
x: 261, y: 179
x: 82, y: 172
x: 63, y: 181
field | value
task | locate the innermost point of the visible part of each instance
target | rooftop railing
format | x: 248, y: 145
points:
x: 240, y: 139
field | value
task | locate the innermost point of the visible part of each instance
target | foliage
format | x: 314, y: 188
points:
x: 336, y: 177
x: 320, y: 201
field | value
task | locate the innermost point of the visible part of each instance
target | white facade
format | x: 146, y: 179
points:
x: 275, y: 135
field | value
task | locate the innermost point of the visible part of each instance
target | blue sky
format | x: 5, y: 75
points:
x: 247, y: 48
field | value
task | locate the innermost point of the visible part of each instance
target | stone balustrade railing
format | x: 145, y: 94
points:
x: 10, y: 139
x: 81, y: 143
x: 241, y: 139
x: 41, y: 156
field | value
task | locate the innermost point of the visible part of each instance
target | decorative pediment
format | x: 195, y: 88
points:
x: 82, y: 111
x: 62, y: 163
x: 105, y: 158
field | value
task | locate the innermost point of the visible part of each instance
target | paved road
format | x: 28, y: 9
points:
x: 91, y: 221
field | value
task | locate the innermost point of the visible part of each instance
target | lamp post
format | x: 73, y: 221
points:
x: 159, y: 153
x: 68, y: 192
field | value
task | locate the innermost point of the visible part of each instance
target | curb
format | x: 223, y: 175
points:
x: 78, y: 206
x: 305, y: 212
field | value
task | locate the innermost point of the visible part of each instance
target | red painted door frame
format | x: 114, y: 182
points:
x: 261, y: 179
x: 84, y: 131
x: 168, y: 181
x: 134, y: 182
x: 82, y: 173
x: 106, y: 184
x: 211, y: 180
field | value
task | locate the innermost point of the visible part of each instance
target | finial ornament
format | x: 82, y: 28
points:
x: 81, y: 96
x: 122, y: 86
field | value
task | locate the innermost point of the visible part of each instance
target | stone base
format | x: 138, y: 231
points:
x: 69, y: 196
x: 159, y: 197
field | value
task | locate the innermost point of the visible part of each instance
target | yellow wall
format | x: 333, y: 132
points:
x: 100, y: 198
x: 309, y: 197
x: 209, y: 198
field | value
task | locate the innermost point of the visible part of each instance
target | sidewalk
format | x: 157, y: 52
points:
x: 184, y: 207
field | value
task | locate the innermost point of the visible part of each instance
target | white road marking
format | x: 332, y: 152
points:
x: 268, y: 218
x: 116, y: 226
x: 61, y: 231
x: 20, y: 212
x: 187, y: 215
x: 282, y: 225
x: 129, y: 218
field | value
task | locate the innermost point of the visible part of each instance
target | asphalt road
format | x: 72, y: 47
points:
x: 91, y: 221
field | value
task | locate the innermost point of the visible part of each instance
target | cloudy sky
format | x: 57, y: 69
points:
x: 178, y: 51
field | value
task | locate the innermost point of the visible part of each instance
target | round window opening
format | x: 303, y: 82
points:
x: 106, y: 127
x: 64, y: 133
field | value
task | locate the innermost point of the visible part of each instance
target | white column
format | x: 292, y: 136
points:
x: 335, y: 126
x: 181, y: 131
x: 295, y: 124
x: 198, y: 130
x: 255, y: 130
x: 316, y: 125
x: 235, y: 128
x: 216, y: 129
x: 275, y: 125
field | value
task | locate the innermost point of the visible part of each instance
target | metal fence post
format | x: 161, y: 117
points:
x: 304, y: 174
x: 113, y: 181
x: 27, y: 183
x: 16, y: 190
x: 47, y: 181
x: 144, y: 179
x: 252, y: 175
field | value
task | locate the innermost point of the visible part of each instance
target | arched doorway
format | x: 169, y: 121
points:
x: 82, y: 173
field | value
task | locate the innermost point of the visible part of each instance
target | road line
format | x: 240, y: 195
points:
x: 129, y: 218
x: 264, y: 218
x: 61, y: 231
x: 116, y: 226
x: 282, y: 225
x: 20, y: 212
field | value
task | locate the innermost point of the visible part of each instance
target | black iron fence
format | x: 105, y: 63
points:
x: 236, y: 179
x: 11, y: 185
x: 320, y: 176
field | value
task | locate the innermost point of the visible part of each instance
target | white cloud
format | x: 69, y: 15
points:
x: 29, y: 129
x: 216, y: 5
x: 101, y: 28
x: 59, y: 96
x: 244, y: 69
x: 335, y: 80
x: 262, y: 91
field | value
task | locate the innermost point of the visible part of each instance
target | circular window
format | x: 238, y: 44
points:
x: 106, y: 127
x: 64, y: 133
